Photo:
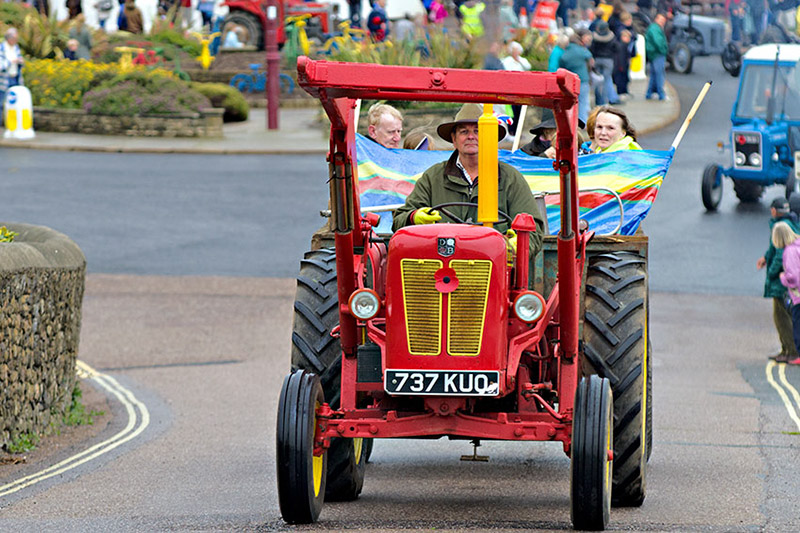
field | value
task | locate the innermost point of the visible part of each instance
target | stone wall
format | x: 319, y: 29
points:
x: 42, y: 277
x: 207, y: 123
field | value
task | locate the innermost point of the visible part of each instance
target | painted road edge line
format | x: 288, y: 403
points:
x: 782, y: 393
x: 135, y: 426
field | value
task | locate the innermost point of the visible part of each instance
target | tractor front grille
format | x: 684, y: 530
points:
x: 423, y: 305
x: 468, y: 306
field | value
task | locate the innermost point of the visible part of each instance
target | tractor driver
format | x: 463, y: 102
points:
x: 456, y: 180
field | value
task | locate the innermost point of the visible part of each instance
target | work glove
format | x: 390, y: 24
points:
x: 424, y: 215
x: 511, y: 245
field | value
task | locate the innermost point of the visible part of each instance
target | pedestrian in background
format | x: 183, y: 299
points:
x: 472, y: 18
x: 103, y: 8
x: 735, y: 9
x: 11, y: 63
x: 784, y: 237
x: 622, y: 63
x: 515, y: 62
x: 71, y: 53
x: 133, y: 17
x: 509, y: 21
x: 74, y: 8
x: 206, y: 9
x: 578, y: 59
x: 656, y: 49
x: 81, y: 33
x: 562, y: 41
x: 604, y: 49
x: 378, y: 22
x: 772, y: 260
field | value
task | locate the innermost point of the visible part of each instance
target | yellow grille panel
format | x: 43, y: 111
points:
x: 423, y: 305
x: 468, y: 306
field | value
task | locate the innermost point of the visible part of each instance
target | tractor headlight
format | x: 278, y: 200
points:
x: 529, y: 306
x: 755, y: 159
x: 364, y: 304
x: 740, y: 159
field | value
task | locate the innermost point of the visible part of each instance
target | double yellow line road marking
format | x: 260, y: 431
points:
x: 138, y: 420
x: 785, y: 390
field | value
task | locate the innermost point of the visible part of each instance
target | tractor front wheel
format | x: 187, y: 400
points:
x: 316, y: 313
x: 615, y: 347
x: 592, y: 457
x: 301, y: 473
x: 711, y: 188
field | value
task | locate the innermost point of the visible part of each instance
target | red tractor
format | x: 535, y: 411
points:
x: 437, y: 332
x: 251, y: 16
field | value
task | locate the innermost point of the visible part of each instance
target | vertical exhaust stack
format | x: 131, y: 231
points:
x: 487, y: 166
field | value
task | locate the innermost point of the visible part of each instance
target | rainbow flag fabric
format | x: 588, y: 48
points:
x: 387, y: 176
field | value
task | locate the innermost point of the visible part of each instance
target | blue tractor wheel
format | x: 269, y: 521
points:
x: 711, y: 187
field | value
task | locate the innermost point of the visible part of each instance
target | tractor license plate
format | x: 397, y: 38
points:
x: 443, y: 382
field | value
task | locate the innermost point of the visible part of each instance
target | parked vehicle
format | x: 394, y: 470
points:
x: 764, y: 140
x: 250, y: 15
x: 441, y: 331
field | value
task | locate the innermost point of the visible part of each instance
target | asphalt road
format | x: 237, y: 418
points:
x: 205, y: 348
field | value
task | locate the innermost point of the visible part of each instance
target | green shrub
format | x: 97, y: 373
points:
x: 13, y: 13
x: 221, y: 95
x: 138, y: 93
x: 170, y: 36
x: 62, y: 84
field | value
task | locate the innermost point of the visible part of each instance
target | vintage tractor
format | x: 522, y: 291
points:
x: 765, y: 128
x: 441, y: 331
x: 251, y: 16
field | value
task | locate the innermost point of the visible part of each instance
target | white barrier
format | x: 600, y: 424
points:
x: 638, y: 71
x: 18, y: 111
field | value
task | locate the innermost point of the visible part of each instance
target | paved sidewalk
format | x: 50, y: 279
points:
x: 299, y: 132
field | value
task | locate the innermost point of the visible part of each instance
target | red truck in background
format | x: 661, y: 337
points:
x: 250, y: 15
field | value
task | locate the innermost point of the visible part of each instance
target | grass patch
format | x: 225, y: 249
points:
x: 22, y: 443
x: 76, y: 414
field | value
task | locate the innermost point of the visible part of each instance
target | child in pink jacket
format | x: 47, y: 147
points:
x: 784, y: 237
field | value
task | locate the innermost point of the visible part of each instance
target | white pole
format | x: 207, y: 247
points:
x: 690, y: 116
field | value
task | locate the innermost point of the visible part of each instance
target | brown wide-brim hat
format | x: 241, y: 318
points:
x: 468, y: 114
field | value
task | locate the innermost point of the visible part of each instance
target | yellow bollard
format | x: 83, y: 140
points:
x: 487, y: 166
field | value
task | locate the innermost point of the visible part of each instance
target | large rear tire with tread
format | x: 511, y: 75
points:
x: 615, y: 347
x: 591, y: 465
x: 301, y: 474
x: 316, y: 313
x: 253, y: 32
x: 748, y: 192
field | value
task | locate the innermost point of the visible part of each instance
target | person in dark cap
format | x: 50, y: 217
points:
x: 456, y: 180
x: 543, y: 135
x: 773, y: 288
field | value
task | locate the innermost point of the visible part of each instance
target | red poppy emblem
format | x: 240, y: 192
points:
x: 446, y: 280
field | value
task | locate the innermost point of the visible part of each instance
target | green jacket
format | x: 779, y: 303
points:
x: 655, y: 42
x: 443, y: 183
x: 773, y: 288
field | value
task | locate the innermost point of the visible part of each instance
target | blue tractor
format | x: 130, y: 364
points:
x: 765, y: 127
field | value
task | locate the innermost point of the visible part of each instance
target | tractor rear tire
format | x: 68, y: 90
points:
x: 614, y: 343
x: 748, y: 192
x: 591, y: 464
x: 316, y: 313
x: 301, y: 475
x: 254, y: 33
x: 711, y: 187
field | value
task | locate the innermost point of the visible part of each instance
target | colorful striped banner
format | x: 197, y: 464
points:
x: 387, y: 176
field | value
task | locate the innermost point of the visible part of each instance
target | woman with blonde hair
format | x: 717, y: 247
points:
x: 784, y: 237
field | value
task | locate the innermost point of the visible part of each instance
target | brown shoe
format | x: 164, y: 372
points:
x: 781, y: 358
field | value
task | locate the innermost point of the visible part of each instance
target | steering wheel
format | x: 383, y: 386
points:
x: 458, y: 220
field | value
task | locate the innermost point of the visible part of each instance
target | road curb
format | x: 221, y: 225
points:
x: 32, y: 144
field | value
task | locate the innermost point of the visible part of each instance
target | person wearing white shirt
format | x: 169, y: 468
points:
x: 11, y: 62
x: 515, y: 61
